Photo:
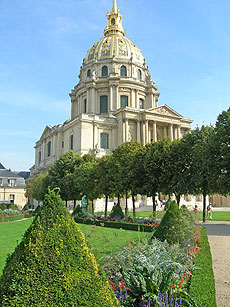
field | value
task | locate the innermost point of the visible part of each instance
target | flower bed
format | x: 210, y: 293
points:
x: 12, y: 217
x: 116, y: 223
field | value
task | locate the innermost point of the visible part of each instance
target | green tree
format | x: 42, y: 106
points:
x: 106, y: 183
x: 53, y: 266
x: 36, y: 187
x: 123, y: 157
x: 154, y: 166
x: 221, y: 152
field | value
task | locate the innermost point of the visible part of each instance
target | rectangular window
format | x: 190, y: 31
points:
x: 104, y: 141
x: 104, y: 104
x: 124, y: 101
x: 62, y: 144
x: 11, y: 182
x: 0, y: 181
x: 71, y: 142
x: 39, y: 157
x: 49, y: 149
x: 12, y: 197
x: 85, y: 106
x: 141, y: 103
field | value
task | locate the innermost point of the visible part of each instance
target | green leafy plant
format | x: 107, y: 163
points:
x: 117, y: 212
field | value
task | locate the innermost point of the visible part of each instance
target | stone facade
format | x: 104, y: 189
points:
x: 12, y: 188
x: 114, y: 101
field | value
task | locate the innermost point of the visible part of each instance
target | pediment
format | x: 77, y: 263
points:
x: 46, y: 131
x: 166, y: 111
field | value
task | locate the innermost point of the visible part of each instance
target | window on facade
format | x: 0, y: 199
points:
x: 124, y: 101
x: 123, y: 71
x: 0, y: 181
x: 39, y: 157
x: 141, y: 103
x: 85, y: 106
x: 62, y: 144
x: 71, y: 142
x: 12, y: 198
x: 11, y: 182
x: 104, y: 141
x: 104, y: 71
x: 49, y: 149
x: 139, y: 74
x: 103, y: 104
x: 113, y: 21
x: 89, y: 73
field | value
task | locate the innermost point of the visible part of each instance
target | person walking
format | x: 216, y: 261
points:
x: 196, y: 214
x: 209, y: 211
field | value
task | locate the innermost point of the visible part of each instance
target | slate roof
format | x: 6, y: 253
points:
x: 8, y: 174
x: 1, y: 166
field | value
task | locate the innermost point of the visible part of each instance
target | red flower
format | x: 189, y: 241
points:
x: 174, y: 287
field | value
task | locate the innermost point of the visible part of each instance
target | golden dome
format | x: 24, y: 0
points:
x: 114, y: 44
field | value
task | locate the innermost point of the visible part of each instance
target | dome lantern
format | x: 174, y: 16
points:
x: 114, y: 22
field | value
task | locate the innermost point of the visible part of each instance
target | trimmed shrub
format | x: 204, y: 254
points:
x: 77, y: 212
x: 172, y: 226
x: 117, y: 212
x: 117, y: 225
x: 53, y: 266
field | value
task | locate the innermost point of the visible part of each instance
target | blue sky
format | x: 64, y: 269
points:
x: 186, y: 44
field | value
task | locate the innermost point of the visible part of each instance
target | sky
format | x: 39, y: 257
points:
x: 186, y: 44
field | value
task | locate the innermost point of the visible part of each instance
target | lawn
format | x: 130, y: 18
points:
x: 103, y: 241
x: 11, y: 235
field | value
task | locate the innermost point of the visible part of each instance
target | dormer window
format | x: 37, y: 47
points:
x: 113, y: 21
x: 11, y: 182
x: 139, y: 74
x: 104, y: 71
x: 89, y: 73
x: 123, y: 71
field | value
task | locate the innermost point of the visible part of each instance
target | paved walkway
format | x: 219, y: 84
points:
x: 219, y: 240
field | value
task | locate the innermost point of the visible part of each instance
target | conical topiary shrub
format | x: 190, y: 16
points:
x: 117, y: 212
x: 53, y: 266
x: 172, y: 225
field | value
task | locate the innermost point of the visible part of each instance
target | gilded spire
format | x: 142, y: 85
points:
x: 114, y: 9
x: 114, y: 22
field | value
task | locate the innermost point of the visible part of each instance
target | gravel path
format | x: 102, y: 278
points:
x: 219, y: 240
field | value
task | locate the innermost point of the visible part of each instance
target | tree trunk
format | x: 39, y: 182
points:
x: 154, y: 206
x: 66, y: 204
x: 92, y: 207
x: 126, y: 204
x: 134, y: 208
x: 74, y: 203
x: 204, y: 206
x: 106, y: 205
x: 177, y: 198
x: 118, y: 199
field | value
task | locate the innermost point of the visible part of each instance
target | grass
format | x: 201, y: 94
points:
x: 216, y: 215
x: 202, y: 287
x: 103, y: 241
x: 11, y: 235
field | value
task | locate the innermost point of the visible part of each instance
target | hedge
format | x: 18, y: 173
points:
x: 4, y: 219
x: 117, y: 225
x: 202, y: 286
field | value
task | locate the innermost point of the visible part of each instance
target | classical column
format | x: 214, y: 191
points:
x: 154, y: 101
x: 146, y: 132
x: 116, y: 97
x: 111, y: 97
x: 123, y: 131
x: 154, y: 131
x: 138, y: 131
x: 136, y: 100
x: 165, y: 132
x: 143, y: 132
x: 171, y: 131
x: 87, y: 100
x: 93, y: 101
x: 179, y: 131
x: 53, y: 153
x: 126, y: 130
x: 95, y: 140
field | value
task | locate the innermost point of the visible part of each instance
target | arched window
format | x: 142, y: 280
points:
x: 71, y: 142
x: 104, y: 71
x: 124, y: 101
x: 123, y: 71
x: 89, y: 73
x: 139, y: 74
x: 103, y: 104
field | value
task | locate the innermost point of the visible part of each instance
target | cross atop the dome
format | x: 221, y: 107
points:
x: 114, y: 22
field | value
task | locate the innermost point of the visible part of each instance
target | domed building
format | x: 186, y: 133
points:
x: 114, y: 101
